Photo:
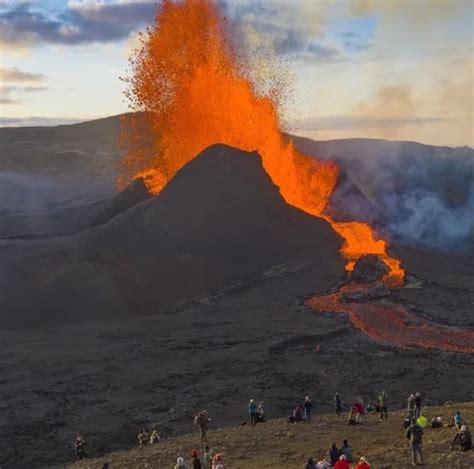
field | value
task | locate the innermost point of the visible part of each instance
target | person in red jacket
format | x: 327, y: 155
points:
x: 342, y: 463
x: 363, y: 464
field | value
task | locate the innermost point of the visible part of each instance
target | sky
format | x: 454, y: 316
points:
x: 394, y: 69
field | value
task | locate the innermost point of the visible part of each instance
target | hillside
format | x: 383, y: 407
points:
x: 278, y: 444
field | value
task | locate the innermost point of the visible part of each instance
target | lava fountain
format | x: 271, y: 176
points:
x: 192, y: 91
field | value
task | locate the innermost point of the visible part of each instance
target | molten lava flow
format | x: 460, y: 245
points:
x: 392, y: 323
x: 194, y: 93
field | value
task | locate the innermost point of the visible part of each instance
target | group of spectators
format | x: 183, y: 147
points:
x: 337, y: 457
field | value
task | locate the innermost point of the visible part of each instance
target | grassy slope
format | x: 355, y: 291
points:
x: 278, y: 444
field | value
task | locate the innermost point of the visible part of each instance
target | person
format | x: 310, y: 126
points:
x: 346, y: 450
x: 422, y: 421
x: 363, y: 463
x: 417, y: 405
x: 207, y: 457
x: 411, y: 406
x: 80, y: 447
x: 383, y: 404
x: 217, y: 462
x: 180, y: 464
x: 195, y: 461
x: 297, y: 415
x: 260, y: 417
x: 415, y: 435
x: 323, y: 464
x: 202, y: 420
x: 252, y: 408
x: 154, y: 437
x: 337, y: 404
x: 142, y: 437
x: 458, y: 420
x: 342, y: 463
x: 436, y: 422
x: 407, y: 421
x: 465, y: 438
x: 351, y: 419
x: 310, y: 464
x: 105, y: 465
x: 333, y: 454
x: 359, y: 411
x: 308, y: 408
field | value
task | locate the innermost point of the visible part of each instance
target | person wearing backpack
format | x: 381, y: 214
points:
x: 415, y: 435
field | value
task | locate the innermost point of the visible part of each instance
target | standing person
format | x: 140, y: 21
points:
x: 465, y: 438
x: 154, y: 437
x: 415, y: 435
x: 411, y: 406
x: 80, y: 447
x: 363, y: 463
x: 202, y: 420
x: 207, y: 457
x: 252, y: 408
x: 337, y: 404
x: 383, y: 404
x: 195, y: 461
x: 308, y: 409
x: 417, y: 405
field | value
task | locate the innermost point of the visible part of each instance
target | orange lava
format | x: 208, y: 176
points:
x: 394, y: 324
x: 195, y: 93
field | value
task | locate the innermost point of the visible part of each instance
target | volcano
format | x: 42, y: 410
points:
x: 220, y: 220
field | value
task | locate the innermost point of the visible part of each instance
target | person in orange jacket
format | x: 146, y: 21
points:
x: 363, y: 464
x: 342, y: 463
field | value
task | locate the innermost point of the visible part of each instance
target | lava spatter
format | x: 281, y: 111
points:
x: 194, y: 92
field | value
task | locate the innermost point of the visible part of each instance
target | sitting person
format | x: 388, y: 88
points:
x: 370, y: 408
x: 260, y: 415
x: 458, y: 420
x: 422, y: 421
x: 333, y: 454
x: 363, y: 463
x: 180, y: 464
x: 346, y: 450
x: 154, y: 437
x: 323, y: 464
x: 297, y: 415
x: 310, y: 464
x: 142, y: 438
x: 436, y: 422
x: 342, y: 463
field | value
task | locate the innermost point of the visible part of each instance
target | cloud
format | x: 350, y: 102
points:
x: 15, y: 74
x: 25, y: 24
x: 6, y: 93
x: 311, y: 125
x: 34, y: 121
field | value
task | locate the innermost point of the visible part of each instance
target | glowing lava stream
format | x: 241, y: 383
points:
x: 393, y: 323
x: 193, y: 91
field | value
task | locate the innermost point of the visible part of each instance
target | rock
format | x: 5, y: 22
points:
x: 369, y: 268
